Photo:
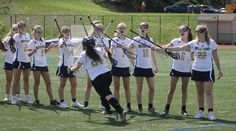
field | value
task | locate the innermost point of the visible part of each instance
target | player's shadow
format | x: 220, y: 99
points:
x: 176, y: 117
x: 111, y: 121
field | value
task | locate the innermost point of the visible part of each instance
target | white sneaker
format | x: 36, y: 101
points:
x: 85, y: 108
x: 211, y: 116
x: 27, y: 99
x: 76, y: 104
x: 200, y: 114
x: 63, y: 105
x: 123, y: 116
x: 13, y: 100
x: 6, y: 99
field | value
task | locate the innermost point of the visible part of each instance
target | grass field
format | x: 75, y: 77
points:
x: 26, y: 117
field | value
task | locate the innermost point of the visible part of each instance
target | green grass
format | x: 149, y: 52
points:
x: 26, y: 117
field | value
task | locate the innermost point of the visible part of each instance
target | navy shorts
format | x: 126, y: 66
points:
x: 117, y: 71
x: 37, y: 68
x: 203, y: 76
x: 176, y: 73
x: 62, y: 71
x: 21, y: 65
x: 102, y: 84
x: 143, y: 72
x: 8, y: 66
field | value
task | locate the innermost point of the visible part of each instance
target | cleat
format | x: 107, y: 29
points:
x: 63, y: 105
x: 200, y: 114
x: 140, y: 110
x: 27, y: 100
x: 85, y: 108
x: 54, y: 103
x: 165, y: 113
x: 211, y: 116
x: 77, y: 104
x: 123, y: 116
x: 14, y: 100
x: 184, y: 113
x: 152, y: 110
x: 36, y: 103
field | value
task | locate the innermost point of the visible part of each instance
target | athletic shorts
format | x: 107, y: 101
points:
x: 143, y: 72
x: 203, y: 76
x: 122, y: 72
x: 62, y: 71
x: 8, y: 66
x: 37, y: 68
x: 21, y: 65
x: 102, y: 84
x: 179, y: 74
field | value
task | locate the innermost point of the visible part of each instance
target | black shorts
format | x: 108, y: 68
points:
x: 102, y: 84
x: 37, y: 68
x: 143, y: 72
x: 203, y: 76
x: 8, y: 66
x: 21, y: 65
x: 176, y: 73
x: 62, y: 71
x: 117, y: 71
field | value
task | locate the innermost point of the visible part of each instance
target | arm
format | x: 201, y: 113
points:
x: 75, y: 67
x: 217, y: 62
x: 185, y: 47
x: 31, y: 52
x: 49, y: 48
x: 154, y: 61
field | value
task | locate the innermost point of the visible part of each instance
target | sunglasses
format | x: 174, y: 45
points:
x: 182, y: 30
x: 14, y: 29
x: 200, y: 30
x: 39, y: 31
x: 143, y: 26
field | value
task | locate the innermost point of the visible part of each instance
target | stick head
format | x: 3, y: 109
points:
x: 80, y: 18
x: 112, y: 21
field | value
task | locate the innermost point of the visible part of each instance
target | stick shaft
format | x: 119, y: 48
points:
x: 58, y: 27
x: 82, y: 22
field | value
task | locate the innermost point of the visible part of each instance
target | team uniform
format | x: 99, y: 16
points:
x: 38, y: 62
x: 143, y: 65
x: 66, y: 59
x: 21, y: 58
x: 121, y: 68
x: 9, y: 56
x: 98, y: 72
x: 181, y: 67
x: 202, y: 68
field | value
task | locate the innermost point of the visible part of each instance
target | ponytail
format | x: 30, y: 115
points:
x: 92, y: 54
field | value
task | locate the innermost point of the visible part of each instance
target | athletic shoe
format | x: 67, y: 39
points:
x: 152, y: 110
x: 36, y: 103
x: 63, y: 105
x: 184, y: 113
x: 85, y: 108
x: 107, y: 113
x: 13, y: 100
x: 76, y: 104
x: 200, y: 114
x: 54, y: 103
x: 102, y: 107
x: 140, y: 110
x: 128, y: 110
x: 123, y: 116
x: 27, y: 100
x: 6, y: 99
x: 211, y: 116
x: 165, y: 113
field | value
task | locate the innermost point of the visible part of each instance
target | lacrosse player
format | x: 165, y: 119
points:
x: 21, y: 63
x: 93, y: 61
x: 145, y: 58
x: 9, y: 55
x: 66, y: 48
x: 39, y: 65
x: 179, y: 68
x: 121, y: 67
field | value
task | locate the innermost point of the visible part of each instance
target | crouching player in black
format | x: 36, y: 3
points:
x: 93, y: 61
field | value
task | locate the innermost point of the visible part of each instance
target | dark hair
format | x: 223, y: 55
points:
x: 184, y: 28
x: 88, y: 45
